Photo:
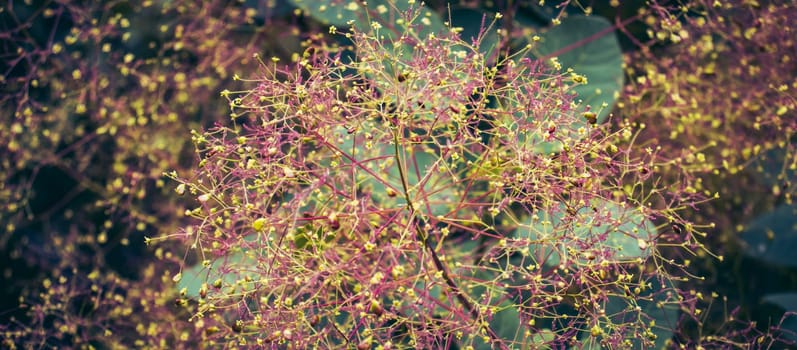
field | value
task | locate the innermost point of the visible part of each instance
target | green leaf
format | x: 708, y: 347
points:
x: 438, y: 190
x: 655, y: 306
x: 772, y: 237
x: 772, y: 166
x: 337, y: 13
x: 421, y: 165
x: 482, y: 284
x: 558, y: 233
x: 392, y: 58
x: 361, y: 14
x: 507, y: 326
x: 231, y: 270
x: 533, y: 15
x: 598, y: 58
x: 787, y: 301
x: 789, y: 327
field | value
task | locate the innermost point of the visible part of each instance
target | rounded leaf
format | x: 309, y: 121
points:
x: 772, y: 237
x: 603, y: 230
x: 590, y: 48
x: 657, y: 306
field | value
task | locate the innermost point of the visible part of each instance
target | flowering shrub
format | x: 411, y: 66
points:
x: 96, y: 99
x: 725, y: 104
x: 714, y: 78
x: 406, y: 184
x: 402, y: 192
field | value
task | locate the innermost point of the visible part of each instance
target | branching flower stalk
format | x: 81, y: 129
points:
x: 423, y: 237
x: 95, y: 101
x: 393, y: 186
x: 401, y: 191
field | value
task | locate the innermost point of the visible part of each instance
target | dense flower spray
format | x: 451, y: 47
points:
x: 96, y: 102
x: 713, y: 75
x: 403, y: 188
x: 409, y: 190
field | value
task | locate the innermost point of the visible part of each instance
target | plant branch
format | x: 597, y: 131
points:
x: 421, y: 235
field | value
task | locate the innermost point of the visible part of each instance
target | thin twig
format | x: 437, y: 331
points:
x: 435, y: 258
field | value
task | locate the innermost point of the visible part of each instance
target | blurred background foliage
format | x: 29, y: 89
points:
x: 98, y: 99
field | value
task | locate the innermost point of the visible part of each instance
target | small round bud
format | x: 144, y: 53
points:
x: 591, y: 117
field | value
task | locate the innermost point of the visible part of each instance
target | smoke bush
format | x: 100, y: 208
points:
x: 402, y: 191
